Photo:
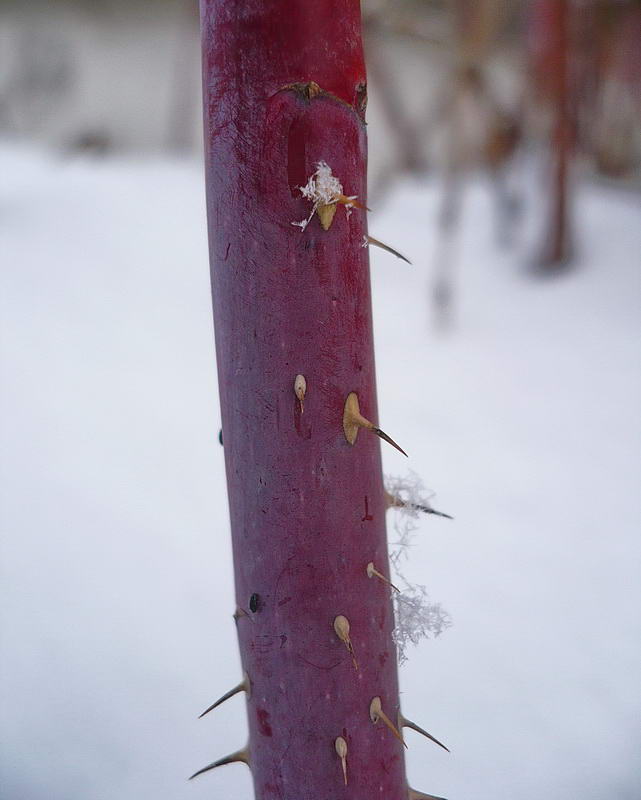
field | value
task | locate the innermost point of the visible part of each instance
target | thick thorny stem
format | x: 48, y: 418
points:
x: 284, y: 92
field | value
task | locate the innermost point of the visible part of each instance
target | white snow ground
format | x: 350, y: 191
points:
x: 116, y: 622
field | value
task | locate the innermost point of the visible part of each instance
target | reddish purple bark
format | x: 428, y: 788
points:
x: 307, y: 509
x: 559, y: 244
x: 551, y: 40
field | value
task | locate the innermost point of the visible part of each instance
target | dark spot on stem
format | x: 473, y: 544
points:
x: 263, y: 722
x: 255, y: 603
x: 368, y: 517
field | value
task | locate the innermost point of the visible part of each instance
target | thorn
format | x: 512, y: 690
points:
x: 382, y: 435
x: 341, y: 626
x: 341, y: 748
x: 403, y: 722
x: 396, y: 502
x: 240, y: 612
x: 372, y: 571
x: 300, y: 388
x: 351, y: 201
x: 353, y: 420
x: 387, y: 248
x: 243, y: 686
x: 376, y: 712
x: 414, y: 795
x: 428, y: 510
x: 239, y: 755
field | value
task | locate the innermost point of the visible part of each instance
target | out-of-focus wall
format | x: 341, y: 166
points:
x: 115, y: 76
x: 101, y: 74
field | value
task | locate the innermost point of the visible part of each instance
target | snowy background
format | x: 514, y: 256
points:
x: 523, y: 417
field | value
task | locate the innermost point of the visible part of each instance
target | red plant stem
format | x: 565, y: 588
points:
x: 559, y: 235
x: 552, y: 43
x: 307, y: 509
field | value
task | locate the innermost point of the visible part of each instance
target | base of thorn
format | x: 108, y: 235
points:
x: 341, y: 749
x: 341, y: 627
x: 353, y: 420
x: 376, y: 713
x: 373, y: 572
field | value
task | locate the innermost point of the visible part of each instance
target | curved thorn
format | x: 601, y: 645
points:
x: 376, y: 712
x: 396, y: 502
x: 382, y: 435
x: 239, y: 755
x: 407, y: 723
x: 351, y: 201
x: 372, y: 571
x: 392, y: 727
x: 386, y: 247
x: 414, y: 795
x: 242, y: 687
x: 353, y: 420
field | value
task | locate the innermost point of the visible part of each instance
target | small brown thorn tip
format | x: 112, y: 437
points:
x: 373, y: 572
x: 382, y: 435
x: 403, y: 722
x: 239, y: 755
x: 397, y: 502
x: 308, y: 90
x: 387, y: 248
x: 341, y: 626
x: 376, y: 712
x: 353, y: 420
x: 351, y: 201
x: 414, y: 795
x: 313, y: 89
x: 300, y: 389
x: 243, y: 686
x: 341, y: 748
x: 430, y: 510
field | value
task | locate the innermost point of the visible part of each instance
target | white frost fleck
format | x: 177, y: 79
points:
x: 323, y: 189
x: 415, y: 616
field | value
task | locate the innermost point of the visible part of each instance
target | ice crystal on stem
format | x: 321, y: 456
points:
x: 323, y: 189
x: 416, y: 617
